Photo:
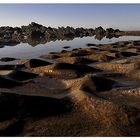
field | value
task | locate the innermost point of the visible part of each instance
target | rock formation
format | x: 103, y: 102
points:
x: 35, y: 31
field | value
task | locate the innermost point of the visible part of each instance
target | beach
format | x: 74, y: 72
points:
x: 90, y: 91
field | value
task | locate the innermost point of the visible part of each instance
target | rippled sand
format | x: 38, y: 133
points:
x: 94, y: 91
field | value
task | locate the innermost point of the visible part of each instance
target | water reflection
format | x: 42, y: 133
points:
x: 99, y: 37
x: 36, y: 41
x: 44, y: 46
x: 110, y: 36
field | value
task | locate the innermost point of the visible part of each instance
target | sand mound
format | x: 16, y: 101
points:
x: 84, y: 92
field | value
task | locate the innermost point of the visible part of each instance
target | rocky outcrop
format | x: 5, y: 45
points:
x: 35, y: 33
x: 99, y: 30
x: 99, y: 33
x: 112, y: 32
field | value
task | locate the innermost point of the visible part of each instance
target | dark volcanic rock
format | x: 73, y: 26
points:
x: 36, y: 34
x: 99, y: 30
x: 35, y: 31
x: 111, y: 32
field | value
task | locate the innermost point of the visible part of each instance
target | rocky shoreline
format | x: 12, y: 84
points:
x: 35, y: 33
x: 91, y: 91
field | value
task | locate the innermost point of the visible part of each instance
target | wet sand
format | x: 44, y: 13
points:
x: 93, y: 91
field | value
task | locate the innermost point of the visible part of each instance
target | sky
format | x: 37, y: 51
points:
x: 122, y: 16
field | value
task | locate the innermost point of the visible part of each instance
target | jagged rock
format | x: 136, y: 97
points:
x: 38, y: 31
x: 99, y: 30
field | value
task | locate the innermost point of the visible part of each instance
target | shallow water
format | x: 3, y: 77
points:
x: 24, y: 50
